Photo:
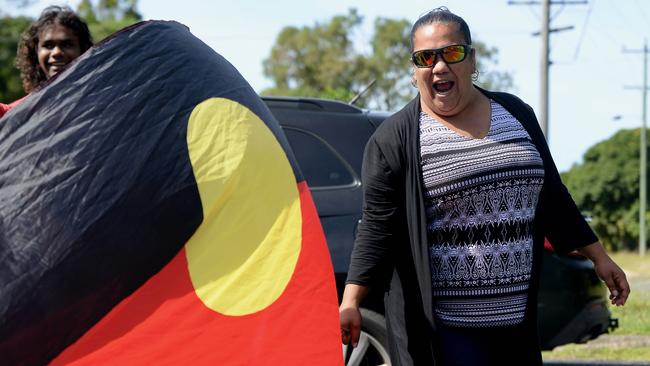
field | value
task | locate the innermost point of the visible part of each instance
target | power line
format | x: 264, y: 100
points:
x: 642, y: 12
x: 545, y: 62
x: 532, y: 11
x: 596, y: 37
x: 558, y: 12
x: 584, y: 30
x: 624, y: 18
x: 603, y: 35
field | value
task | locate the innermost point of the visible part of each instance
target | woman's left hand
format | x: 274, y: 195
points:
x: 608, y: 271
x: 615, y: 280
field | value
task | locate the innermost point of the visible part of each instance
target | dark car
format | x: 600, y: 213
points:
x: 328, y: 139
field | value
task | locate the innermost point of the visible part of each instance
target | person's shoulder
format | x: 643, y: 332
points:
x: 398, y: 124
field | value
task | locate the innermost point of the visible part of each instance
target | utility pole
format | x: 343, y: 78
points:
x: 545, y: 57
x: 643, y: 159
x: 543, y: 104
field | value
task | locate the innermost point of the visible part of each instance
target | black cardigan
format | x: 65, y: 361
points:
x: 391, y: 249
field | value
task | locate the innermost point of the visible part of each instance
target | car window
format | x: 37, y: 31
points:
x: 319, y: 163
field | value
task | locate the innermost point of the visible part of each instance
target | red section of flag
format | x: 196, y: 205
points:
x: 164, y: 321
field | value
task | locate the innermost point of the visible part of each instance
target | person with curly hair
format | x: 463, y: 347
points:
x: 50, y: 43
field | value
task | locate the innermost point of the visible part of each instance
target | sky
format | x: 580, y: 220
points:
x: 589, y: 78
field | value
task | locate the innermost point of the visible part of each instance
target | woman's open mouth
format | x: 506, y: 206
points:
x: 443, y: 86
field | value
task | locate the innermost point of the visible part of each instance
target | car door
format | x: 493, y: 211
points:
x: 329, y: 149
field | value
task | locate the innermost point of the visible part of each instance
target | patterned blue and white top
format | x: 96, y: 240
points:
x: 481, y: 196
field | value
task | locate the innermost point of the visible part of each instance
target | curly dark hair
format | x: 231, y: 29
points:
x: 26, y: 57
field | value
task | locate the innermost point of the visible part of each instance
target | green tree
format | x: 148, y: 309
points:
x: 105, y: 17
x: 315, y: 61
x: 10, y: 84
x: 389, y: 64
x: 321, y: 61
x: 606, y: 186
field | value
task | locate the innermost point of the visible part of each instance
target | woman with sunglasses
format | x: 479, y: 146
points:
x: 459, y: 192
x: 54, y: 40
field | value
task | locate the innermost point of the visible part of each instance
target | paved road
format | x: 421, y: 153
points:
x: 640, y: 286
x: 595, y: 363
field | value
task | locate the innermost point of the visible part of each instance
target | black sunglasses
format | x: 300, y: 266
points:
x: 450, y: 54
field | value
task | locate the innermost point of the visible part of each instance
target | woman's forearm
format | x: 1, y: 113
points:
x: 353, y: 294
x: 594, y: 251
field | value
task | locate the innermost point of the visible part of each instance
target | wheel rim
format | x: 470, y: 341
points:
x: 369, y: 352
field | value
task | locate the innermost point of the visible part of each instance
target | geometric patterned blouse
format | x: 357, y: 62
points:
x: 481, y: 196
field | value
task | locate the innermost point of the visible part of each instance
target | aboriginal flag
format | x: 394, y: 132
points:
x: 152, y: 212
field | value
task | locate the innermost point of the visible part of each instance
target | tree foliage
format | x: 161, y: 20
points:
x: 390, y: 53
x: 10, y: 29
x: 104, y: 17
x: 606, y: 186
x: 317, y: 60
x: 322, y: 61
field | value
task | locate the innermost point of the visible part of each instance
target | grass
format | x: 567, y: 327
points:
x: 630, y: 341
x: 585, y: 352
x: 636, y: 267
x: 634, y: 317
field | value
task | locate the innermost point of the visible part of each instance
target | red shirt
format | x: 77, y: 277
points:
x: 4, y: 108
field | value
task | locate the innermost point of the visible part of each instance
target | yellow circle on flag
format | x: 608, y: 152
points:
x: 244, y: 253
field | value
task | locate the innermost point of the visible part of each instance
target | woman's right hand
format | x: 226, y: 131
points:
x: 350, y: 318
x: 349, y: 313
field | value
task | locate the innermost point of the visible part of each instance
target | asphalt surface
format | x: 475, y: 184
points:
x: 641, y: 286
x: 596, y: 363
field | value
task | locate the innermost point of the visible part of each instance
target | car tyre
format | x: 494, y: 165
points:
x: 372, y: 349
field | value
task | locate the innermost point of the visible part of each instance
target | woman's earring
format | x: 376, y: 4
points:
x: 475, y: 75
x: 414, y: 82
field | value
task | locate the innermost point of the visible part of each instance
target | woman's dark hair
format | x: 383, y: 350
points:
x: 442, y: 15
x: 27, y: 58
